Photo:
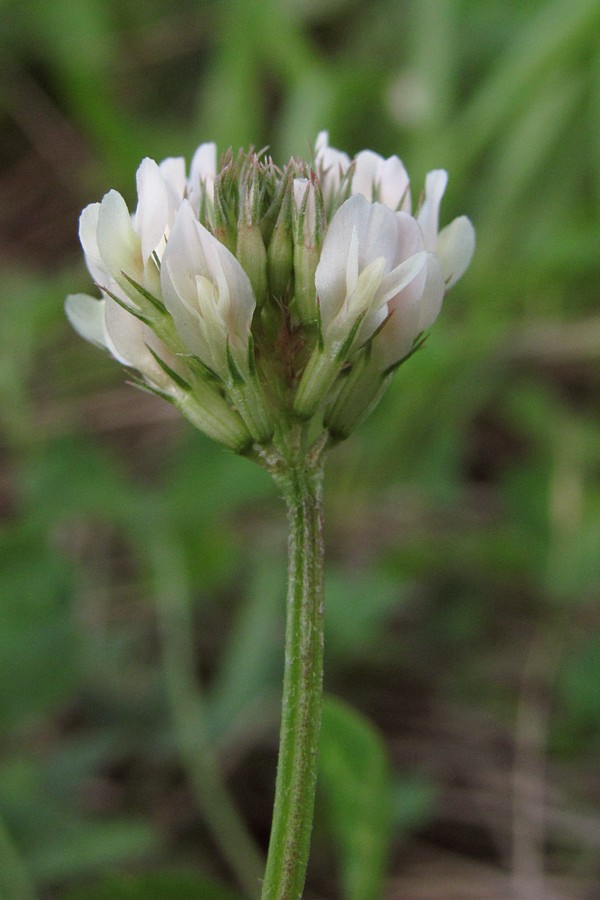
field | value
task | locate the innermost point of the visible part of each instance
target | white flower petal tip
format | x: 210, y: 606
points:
x: 383, y: 180
x: 204, y: 162
x: 454, y: 247
x: 88, y: 227
x: 86, y: 315
x: 118, y: 242
x: 152, y: 214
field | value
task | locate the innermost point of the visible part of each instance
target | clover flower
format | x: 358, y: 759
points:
x: 252, y: 296
x: 272, y: 306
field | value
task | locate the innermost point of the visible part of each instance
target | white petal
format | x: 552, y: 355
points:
x: 322, y: 141
x: 331, y: 165
x: 131, y: 340
x: 182, y: 260
x: 118, y: 242
x: 204, y: 164
x: 125, y: 333
x: 409, y: 238
x: 203, y: 171
x: 377, y: 231
x: 396, y: 280
x: 398, y: 334
x: 360, y: 301
x: 398, y: 297
x: 433, y: 294
x: 184, y: 254
x: 454, y: 248
x: 88, y: 235
x: 428, y: 217
x: 152, y: 214
x: 367, y: 169
x: 394, y: 184
x: 86, y: 315
x: 413, y: 310
x: 331, y: 273
x: 224, y: 268
x: 172, y: 170
x: 203, y: 285
x: 382, y: 180
x: 352, y: 266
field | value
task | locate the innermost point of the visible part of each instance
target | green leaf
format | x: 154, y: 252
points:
x: 155, y: 886
x: 355, y: 778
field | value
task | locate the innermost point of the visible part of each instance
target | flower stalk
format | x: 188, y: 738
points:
x: 301, y: 485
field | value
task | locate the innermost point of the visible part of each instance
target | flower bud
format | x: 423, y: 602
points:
x: 205, y: 408
x: 280, y: 253
x: 308, y: 237
x: 359, y: 392
x: 250, y: 247
x: 225, y: 205
x: 319, y: 375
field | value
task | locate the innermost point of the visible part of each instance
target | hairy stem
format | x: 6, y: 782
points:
x: 289, y: 846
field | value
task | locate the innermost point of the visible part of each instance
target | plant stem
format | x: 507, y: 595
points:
x: 189, y: 715
x: 289, y: 846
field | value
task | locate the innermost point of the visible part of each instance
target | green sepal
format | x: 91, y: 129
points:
x: 237, y: 376
x: 280, y: 208
x: 279, y: 241
x: 251, y: 357
x: 203, y: 211
x: 349, y: 339
x: 194, y: 362
x: 173, y: 375
x: 225, y: 202
x: 320, y: 337
x: 316, y: 237
x: 136, y: 313
x: 137, y: 382
x: 158, y: 304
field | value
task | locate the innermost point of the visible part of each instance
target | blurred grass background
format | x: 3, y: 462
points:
x: 463, y: 520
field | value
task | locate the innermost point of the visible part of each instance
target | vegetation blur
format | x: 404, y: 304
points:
x: 142, y: 574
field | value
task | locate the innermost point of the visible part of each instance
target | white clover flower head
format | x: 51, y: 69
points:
x: 253, y: 296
